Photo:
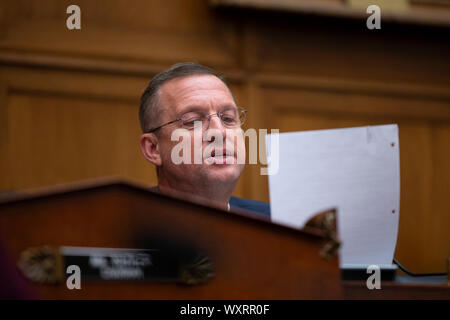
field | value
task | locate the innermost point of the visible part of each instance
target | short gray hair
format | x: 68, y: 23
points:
x: 148, y: 110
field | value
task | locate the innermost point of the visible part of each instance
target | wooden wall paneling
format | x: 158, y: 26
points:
x: 426, y: 12
x: 423, y: 234
x: 142, y: 32
x: 344, y: 49
x: 258, y: 119
x: 173, y: 16
x: 59, y: 133
x: 439, y: 214
x: 71, y: 139
x: 256, y: 183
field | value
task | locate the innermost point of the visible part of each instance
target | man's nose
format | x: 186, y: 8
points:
x: 215, y: 123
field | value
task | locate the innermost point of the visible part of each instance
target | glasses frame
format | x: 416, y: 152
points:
x: 219, y: 114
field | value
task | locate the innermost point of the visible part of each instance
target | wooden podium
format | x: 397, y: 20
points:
x: 251, y: 258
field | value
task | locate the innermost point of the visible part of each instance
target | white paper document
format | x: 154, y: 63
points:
x: 355, y: 170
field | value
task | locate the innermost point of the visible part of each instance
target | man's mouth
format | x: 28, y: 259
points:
x: 220, y: 157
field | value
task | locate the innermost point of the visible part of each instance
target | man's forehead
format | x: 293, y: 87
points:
x: 188, y: 90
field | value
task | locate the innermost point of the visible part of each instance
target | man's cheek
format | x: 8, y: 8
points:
x: 240, y: 151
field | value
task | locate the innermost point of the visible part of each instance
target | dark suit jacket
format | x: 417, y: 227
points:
x: 251, y: 205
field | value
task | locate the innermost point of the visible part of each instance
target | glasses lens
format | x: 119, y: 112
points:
x: 233, y: 117
x: 230, y: 118
x: 189, y: 119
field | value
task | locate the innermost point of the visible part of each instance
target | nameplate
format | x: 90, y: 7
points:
x: 51, y: 264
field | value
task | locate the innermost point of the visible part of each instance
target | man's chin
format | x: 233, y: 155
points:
x: 223, y: 172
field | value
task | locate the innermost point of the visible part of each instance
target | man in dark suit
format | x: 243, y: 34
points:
x: 192, y: 134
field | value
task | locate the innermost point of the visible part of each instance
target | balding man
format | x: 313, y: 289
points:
x: 194, y: 98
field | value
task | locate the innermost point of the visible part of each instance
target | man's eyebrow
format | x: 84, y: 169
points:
x: 192, y: 108
x: 228, y: 107
x: 197, y: 108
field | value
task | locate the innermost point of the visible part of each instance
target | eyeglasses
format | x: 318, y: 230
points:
x: 230, y: 118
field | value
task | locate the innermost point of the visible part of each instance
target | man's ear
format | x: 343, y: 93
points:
x: 150, y: 148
